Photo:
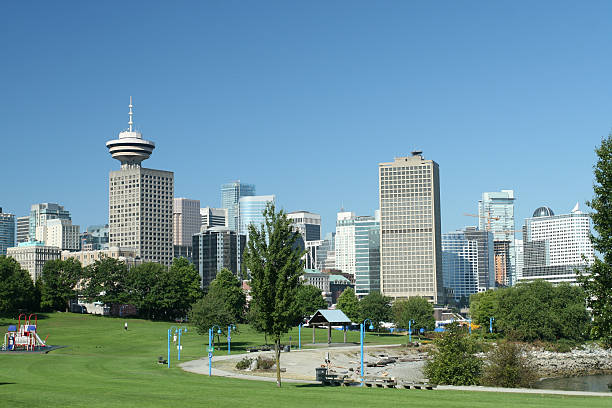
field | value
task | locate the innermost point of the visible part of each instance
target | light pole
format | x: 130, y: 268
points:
x: 180, y: 346
x: 362, y: 336
x: 410, y: 330
x: 170, y: 330
x: 229, y: 336
x: 210, y: 348
x: 300, y: 336
x: 470, y: 325
x: 491, y: 319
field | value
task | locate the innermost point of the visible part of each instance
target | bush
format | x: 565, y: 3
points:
x: 244, y: 363
x: 509, y: 367
x: 264, y: 363
x: 453, y: 361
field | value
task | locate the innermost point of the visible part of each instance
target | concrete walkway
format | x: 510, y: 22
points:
x: 200, y: 366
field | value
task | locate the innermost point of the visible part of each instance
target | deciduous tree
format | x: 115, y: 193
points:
x: 308, y: 300
x: 59, y: 281
x: 375, y: 307
x: 349, y: 304
x: 417, y: 309
x: 598, y: 282
x: 275, y: 264
x: 17, y: 290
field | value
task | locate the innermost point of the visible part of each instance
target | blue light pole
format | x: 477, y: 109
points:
x: 491, y: 319
x: 169, y: 331
x: 176, y: 330
x: 362, y: 336
x: 470, y: 325
x: 300, y: 336
x: 229, y: 336
x: 211, y: 337
x: 410, y: 330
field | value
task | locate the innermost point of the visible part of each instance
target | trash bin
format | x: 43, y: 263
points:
x: 321, y: 372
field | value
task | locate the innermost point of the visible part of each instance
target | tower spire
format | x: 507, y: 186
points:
x: 131, y: 122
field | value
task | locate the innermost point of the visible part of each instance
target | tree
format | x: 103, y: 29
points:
x: 226, y: 287
x: 483, y: 305
x: 59, y: 281
x: 417, y: 309
x: 275, y: 265
x: 375, y: 307
x: 509, y: 367
x: 106, y: 281
x: 453, y: 359
x: 142, y: 284
x: 210, y: 311
x: 349, y: 304
x: 177, y: 290
x: 17, y: 291
x: 308, y: 300
x: 597, y: 282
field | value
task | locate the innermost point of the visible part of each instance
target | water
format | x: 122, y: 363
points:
x: 596, y: 383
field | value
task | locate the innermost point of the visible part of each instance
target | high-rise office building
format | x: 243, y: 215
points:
x: 33, y: 255
x: 213, y: 217
x: 23, y: 229
x: 62, y: 234
x: 496, y: 214
x: 140, y: 200
x: 345, y: 242
x: 230, y: 197
x: 7, y: 231
x: 556, y: 246
x: 518, y: 250
x: 250, y: 211
x: 309, y: 227
x: 367, y: 254
x: 40, y: 214
x: 326, y: 252
x: 410, y: 250
x: 467, y: 262
x: 187, y: 220
x: 95, y: 238
x: 217, y: 248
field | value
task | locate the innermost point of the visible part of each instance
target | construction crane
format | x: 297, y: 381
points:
x: 487, y: 217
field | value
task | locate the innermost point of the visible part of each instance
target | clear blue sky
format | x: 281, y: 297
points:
x: 304, y: 99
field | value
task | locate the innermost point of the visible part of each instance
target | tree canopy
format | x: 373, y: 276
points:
x: 597, y: 283
x: 375, y: 307
x: 17, y: 291
x: 349, y: 304
x: 274, y: 261
x: 308, y: 300
x: 417, y: 309
x: 59, y: 281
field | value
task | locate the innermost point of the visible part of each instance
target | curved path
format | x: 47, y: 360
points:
x: 313, y: 357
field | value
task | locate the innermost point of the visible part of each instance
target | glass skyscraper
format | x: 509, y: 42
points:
x: 467, y: 262
x: 496, y: 214
x: 230, y: 196
x: 367, y: 254
x: 7, y: 231
x: 250, y: 211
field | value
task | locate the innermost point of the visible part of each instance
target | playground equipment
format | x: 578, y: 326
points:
x: 23, y: 336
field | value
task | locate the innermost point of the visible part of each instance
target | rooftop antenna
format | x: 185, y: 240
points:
x: 131, y: 122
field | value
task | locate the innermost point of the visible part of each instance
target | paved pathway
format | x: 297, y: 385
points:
x: 200, y: 366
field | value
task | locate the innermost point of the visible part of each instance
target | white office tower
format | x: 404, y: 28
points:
x: 187, y: 220
x: 411, y: 252
x: 62, y: 234
x: 345, y: 242
x: 555, y: 246
x: 518, y: 250
x: 496, y: 214
x: 213, y: 217
x: 140, y: 200
x: 309, y: 227
x: 40, y: 214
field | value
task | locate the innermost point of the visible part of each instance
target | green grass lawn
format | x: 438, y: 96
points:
x: 106, y: 366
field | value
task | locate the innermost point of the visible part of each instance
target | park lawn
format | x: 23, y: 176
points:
x: 105, y: 366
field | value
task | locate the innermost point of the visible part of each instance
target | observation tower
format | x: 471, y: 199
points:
x: 130, y: 148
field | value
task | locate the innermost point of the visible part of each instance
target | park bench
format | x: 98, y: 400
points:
x: 160, y: 360
x: 380, y: 382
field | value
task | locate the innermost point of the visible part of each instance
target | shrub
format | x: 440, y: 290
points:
x: 264, y: 363
x: 244, y: 363
x: 453, y: 361
x: 509, y: 367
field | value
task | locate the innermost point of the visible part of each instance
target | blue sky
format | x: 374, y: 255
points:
x: 304, y: 99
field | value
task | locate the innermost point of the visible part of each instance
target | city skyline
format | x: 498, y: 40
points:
x: 536, y: 100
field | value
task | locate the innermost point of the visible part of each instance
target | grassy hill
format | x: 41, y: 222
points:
x: 105, y: 366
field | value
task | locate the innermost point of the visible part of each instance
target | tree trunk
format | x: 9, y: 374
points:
x: 277, y: 351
